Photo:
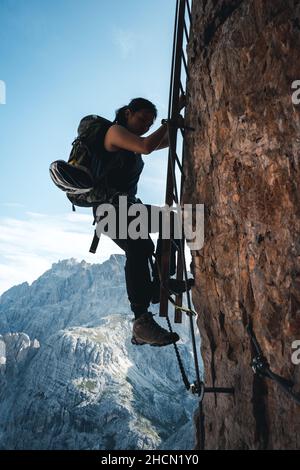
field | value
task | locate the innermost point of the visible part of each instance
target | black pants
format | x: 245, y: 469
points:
x: 139, y: 283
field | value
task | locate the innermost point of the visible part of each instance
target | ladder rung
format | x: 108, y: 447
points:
x: 181, y: 88
x: 178, y: 163
x: 189, y: 10
x: 185, y: 64
x: 186, y: 32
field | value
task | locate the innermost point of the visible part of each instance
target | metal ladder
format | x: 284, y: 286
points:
x: 179, y: 66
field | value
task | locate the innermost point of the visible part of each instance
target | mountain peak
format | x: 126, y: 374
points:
x: 64, y: 263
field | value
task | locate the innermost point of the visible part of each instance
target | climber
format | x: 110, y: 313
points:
x: 124, y: 141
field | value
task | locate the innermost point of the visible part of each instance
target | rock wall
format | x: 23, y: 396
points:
x: 243, y: 164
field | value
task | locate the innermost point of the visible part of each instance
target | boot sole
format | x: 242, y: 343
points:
x: 137, y: 342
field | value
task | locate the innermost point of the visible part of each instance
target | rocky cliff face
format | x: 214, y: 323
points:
x: 70, y: 377
x: 243, y: 164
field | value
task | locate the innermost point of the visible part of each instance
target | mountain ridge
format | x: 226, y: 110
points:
x: 71, y: 379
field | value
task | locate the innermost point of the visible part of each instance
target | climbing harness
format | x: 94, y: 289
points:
x: 261, y: 367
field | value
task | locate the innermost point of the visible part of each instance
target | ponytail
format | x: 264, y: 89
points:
x: 135, y: 105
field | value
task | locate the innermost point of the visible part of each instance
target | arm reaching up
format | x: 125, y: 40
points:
x: 118, y: 137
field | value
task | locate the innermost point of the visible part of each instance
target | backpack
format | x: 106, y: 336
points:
x: 82, y: 177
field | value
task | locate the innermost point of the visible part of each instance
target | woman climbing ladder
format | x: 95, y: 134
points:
x: 124, y: 141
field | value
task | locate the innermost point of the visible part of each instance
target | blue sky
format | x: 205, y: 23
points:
x: 61, y: 60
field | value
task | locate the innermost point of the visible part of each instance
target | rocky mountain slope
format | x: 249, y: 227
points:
x: 71, y: 379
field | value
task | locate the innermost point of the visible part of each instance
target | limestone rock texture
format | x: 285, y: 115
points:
x: 70, y: 379
x: 242, y: 163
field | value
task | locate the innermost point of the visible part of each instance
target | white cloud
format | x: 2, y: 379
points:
x: 29, y: 247
x: 125, y: 41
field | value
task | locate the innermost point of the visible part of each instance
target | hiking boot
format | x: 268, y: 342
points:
x: 136, y: 342
x: 175, y: 287
x: 147, y: 331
